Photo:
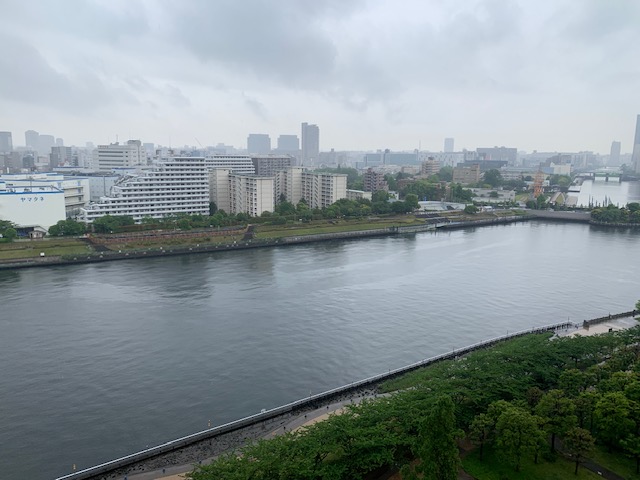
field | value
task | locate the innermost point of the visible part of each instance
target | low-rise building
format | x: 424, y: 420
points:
x: 76, y: 189
x: 358, y: 195
x: 466, y: 175
x: 31, y: 207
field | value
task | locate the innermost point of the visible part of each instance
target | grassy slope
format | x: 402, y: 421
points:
x: 494, y: 468
x: 50, y: 247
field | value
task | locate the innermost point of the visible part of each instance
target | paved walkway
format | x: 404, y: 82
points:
x: 177, y: 472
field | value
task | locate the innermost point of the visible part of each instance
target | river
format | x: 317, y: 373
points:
x: 102, y: 360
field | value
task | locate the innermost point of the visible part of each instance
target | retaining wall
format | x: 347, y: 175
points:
x: 318, y: 399
x: 595, y: 321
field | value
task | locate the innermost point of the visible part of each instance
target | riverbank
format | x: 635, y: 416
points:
x: 110, y: 248
x: 180, y: 455
x: 200, y: 446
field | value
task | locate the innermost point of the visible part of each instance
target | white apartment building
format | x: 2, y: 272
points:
x: 238, y: 164
x: 29, y: 207
x: 322, y: 189
x: 248, y: 193
x: 220, y: 188
x: 76, y: 190
x: 251, y: 194
x: 288, y: 182
x: 116, y: 155
x: 174, y: 186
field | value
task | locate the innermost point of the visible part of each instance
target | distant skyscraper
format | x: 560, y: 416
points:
x: 31, y: 139
x: 635, y: 157
x: 59, y: 142
x: 614, y: 155
x: 258, y: 143
x: 6, y: 144
x: 310, y: 143
x: 45, y: 142
x: 448, y: 145
x: 288, y: 143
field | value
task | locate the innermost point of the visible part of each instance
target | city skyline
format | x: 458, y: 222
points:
x: 552, y: 76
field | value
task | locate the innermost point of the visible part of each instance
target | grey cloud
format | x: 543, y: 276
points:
x: 256, y: 107
x: 28, y: 77
x: 86, y: 19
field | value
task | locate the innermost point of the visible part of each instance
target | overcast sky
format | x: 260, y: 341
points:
x: 546, y: 74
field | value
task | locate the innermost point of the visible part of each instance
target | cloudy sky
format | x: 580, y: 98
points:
x: 546, y: 74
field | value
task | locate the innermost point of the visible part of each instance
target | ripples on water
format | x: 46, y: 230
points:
x: 102, y: 360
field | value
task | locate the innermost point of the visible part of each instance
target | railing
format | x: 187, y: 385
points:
x: 298, y: 404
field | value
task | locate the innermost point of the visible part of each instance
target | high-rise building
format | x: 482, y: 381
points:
x: 258, y: 143
x: 116, y: 155
x: 174, y: 186
x: 614, y: 155
x: 430, y: 167
x: 268, y: 165
x: 322, y: 189
x: 310, y: 144
x: 288, y: 143
x: 31, y: 138
x: 60, y: 156
x: 59, y: 142
x: 45, y: 142
x: 251, y: 194
x: 239, y: 164
x: 374, y: 181
x: 635, y: 157
x: 448, y: 145
x: 6, y: 144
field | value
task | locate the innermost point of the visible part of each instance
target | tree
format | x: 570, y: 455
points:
x: 517, y: 434
x: 380, y: 196
x: 412, y: 201
x: 480, y: 430
x: 10, y: 234
x: 438, y: 449
x: 470, y: 209
x: 638, y: 305
x: 285, y: 208
x: 212, y: 208
x: 578, y: 443
x: 558, y: 413
x: 493, y: 177
x: 612, y: 414
x: 493, y: 194
x: 446, y: 174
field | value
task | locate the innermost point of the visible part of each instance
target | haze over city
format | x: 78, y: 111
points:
x: 551, y: 75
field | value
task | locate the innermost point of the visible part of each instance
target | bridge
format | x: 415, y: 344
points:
x: 603, y: 173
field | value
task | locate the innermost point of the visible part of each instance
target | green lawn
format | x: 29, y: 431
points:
x: 616, y: 462
x: 495, y: 468
x: 279, y: 231
x: 53, y: 247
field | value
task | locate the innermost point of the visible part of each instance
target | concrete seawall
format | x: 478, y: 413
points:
x: 106, y: 256
x: 131, y: 462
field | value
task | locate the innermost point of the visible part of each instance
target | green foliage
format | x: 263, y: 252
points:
x: 557, y: 411
x: 67, y: 227
x: 446, y: 174
x: 459, y: 194
x: 517, y: 434
x: 560, y: 180
x: 109, y: 223
x: 437, y: 447
x: 613, y: 214
x: 578, y: 443
x: 7, y: 230
x: 380, y: 196
x: 424, y: 190
x: 493, y: 178
x: 470, y: 209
